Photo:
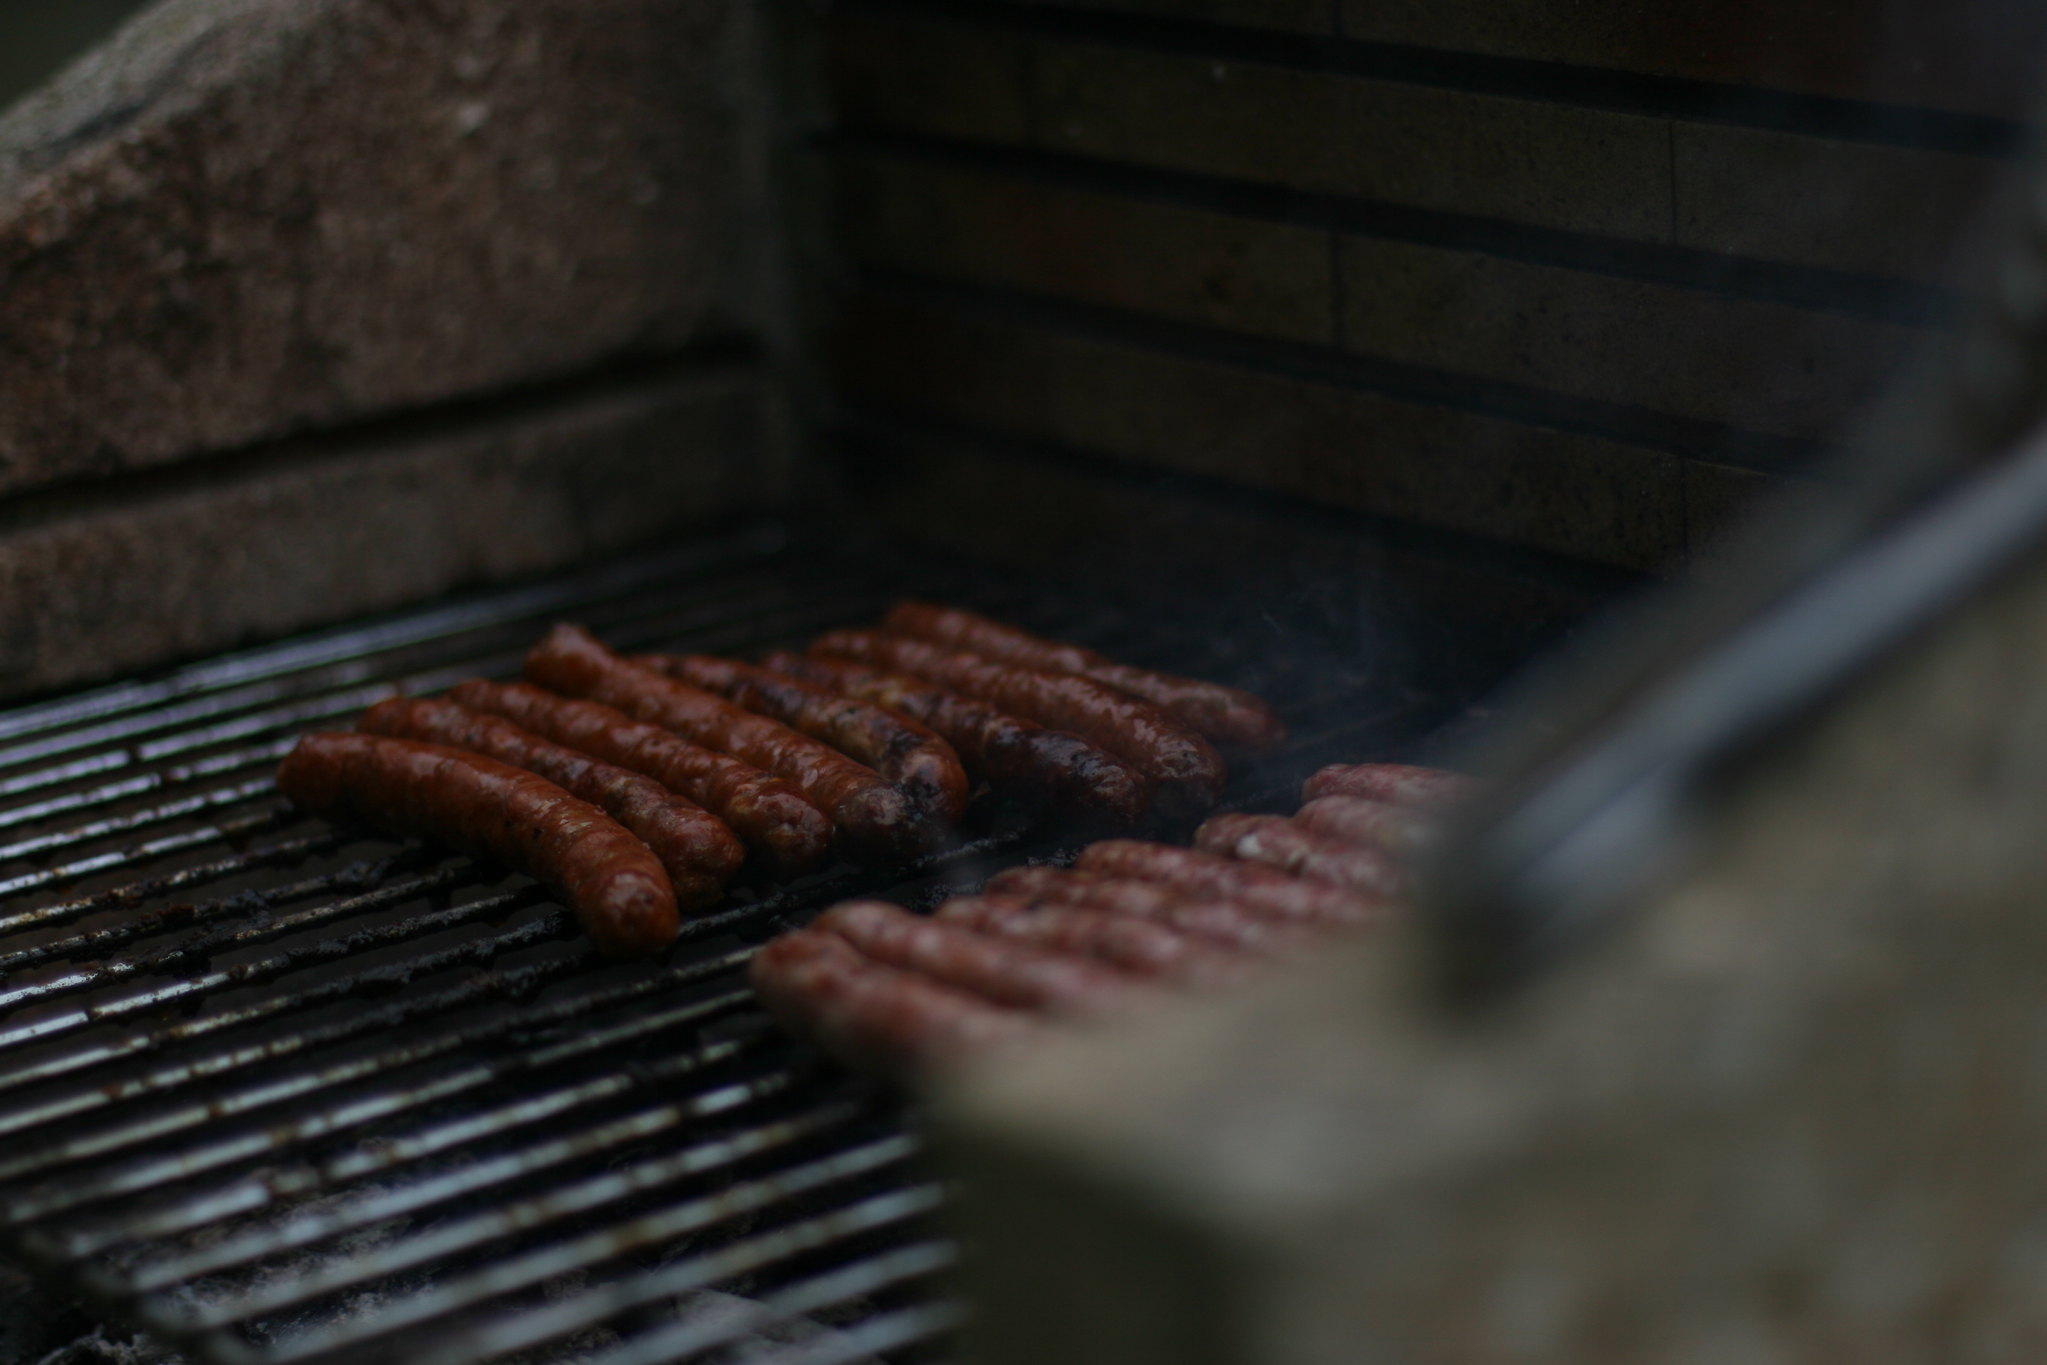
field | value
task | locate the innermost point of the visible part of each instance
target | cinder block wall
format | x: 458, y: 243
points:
x: 1579, y: 280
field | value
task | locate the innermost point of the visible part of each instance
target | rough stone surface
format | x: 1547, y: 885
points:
x: 325, y: 529
x: 1791, y: 1113
x: 245, y: 218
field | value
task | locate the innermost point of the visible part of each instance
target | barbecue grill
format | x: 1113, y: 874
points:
x: 1353, y: 352
x: 279, y: 1091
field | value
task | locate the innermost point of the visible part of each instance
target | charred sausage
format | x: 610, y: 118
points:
x: 901, y: 750
x: 1141, y: 947
x: 1231, y: 924
x: 699, y: 852
x: 615, y: 885
x: 1276, y: 840
x: 1186, y: 771
x: 1019, y: 975
x: 882, y: 1018
x: 1011, y: 754
x: 1248, y: 884
x: 872, y: 818
x: 1397, y: 784
x: 1373, y: 824
x: 786, y: 834
x: 1227, y: 715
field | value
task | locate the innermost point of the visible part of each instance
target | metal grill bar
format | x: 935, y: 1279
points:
x: 351, y: 1044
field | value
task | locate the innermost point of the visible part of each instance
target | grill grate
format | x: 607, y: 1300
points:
x: 280, y: 1092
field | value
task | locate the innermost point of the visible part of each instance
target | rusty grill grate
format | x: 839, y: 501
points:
x: 277, y: 1091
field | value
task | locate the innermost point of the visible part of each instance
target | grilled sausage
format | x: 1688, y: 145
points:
x: 1138, y: 946
x: 785, y: 833
x: 610, y: 879
x: 1237, y: 926
x: 1227, y: 715
x: 1253, y: 885
x: 883, y: 1018
x: 1372, y: 824
x: 1397, y: 784
x: 872, y: 818
x: 1011, y: 754
x: 1019, y: 975
x: 699, y: 853
x: 1187, y: 772
x: 1279, y: 841
x: 900, y: 749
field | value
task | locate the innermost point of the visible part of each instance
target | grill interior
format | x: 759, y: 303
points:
x: 276, y: 1091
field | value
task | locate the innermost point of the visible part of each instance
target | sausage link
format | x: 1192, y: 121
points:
x: 1397, y: 784
x: 786, y: 834
x: 1141, y: 947
x: 1186, y: 769
x: 1244, y: 928
x: 901, y: 750
x: 871, y: 817
x: 879, y: 1018
x: 1254, y: 885
x: 1371, y: 824
x: 1011, y: 754
x: 1276, y: 840
x: 1227, y: 715
x: 1019, y: 975
x: 699, y: 852
x: 615, y: 885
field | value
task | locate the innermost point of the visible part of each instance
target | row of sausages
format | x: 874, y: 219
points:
x: 889, y: 990
x: 637, y: 788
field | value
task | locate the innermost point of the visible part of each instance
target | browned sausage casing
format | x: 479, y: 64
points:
x: 901, y: 750
x: 882, y: 1018
x: 1373, y: 824
x: 1276, y: 840
x: 873, y: 818
x: 787, y: 835
x: 1187, y: 772
x: 699, y: 852
x: 1250, y: 884
x: 1019, y: 975
x: 1228, y: 715
x: 1011, y: 754
x: 1397, y: 784
x: 1237, y: 926
x: 1141, y: 947
x: 615, y: 885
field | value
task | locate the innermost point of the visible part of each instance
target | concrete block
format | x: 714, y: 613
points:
x: 1970, y: 56
x: 1523, y: 161
x: 1896, y: 211
x: 1191, y: 265
x: 910, y: 73
x: 1772, y: 368
x: 245, y: 218
x: 1521, y: 483
x: 204, y: 558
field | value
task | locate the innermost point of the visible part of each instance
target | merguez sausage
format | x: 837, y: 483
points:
x: 1016, y: 974
x: 698, y: 851
x: 822, y: 988
x: 787, y: 835
x: 615, y: 885
x: 1254, y: 885
x: 1187, y: 771
x: 1011, y: 754
x: 1373, y: 824
x: 1233, y: 925
x: 901, y: 750
x: 871, y: 816
x: 1138, y: 946
x: 1397, y: 784
x: 1279, y: 841
x: 1227, y: 715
